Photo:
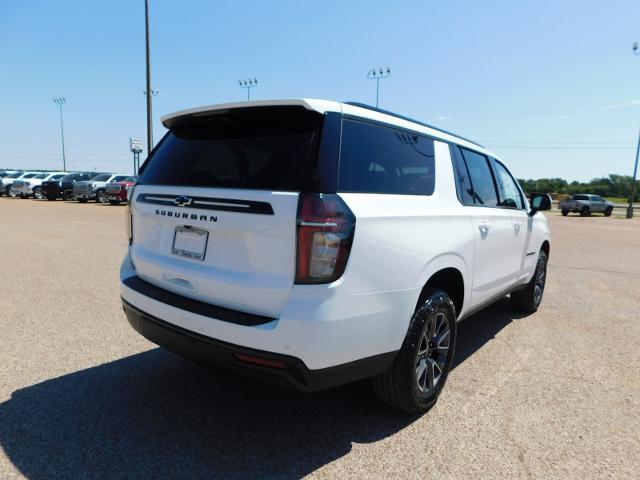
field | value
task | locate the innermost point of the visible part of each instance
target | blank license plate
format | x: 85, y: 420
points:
x: 190, y: 242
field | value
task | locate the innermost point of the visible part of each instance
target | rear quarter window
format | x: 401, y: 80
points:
x: 381, y: 159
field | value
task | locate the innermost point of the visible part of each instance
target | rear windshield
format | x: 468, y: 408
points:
x: 581, y: 197
x: 29, y: 175
x: 14, y: 175
x: 270, y: 148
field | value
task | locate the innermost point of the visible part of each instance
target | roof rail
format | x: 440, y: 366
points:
x: 408, y: 119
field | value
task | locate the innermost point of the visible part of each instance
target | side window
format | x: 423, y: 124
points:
x: 484, y: 188
x: 509, y: 192
x: 463, y: 182
x: 379, y: 159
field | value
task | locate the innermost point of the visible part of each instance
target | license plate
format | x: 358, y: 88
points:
x: 190, y: 242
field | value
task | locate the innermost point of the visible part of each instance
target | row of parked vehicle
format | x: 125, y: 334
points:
x: 101, y: 187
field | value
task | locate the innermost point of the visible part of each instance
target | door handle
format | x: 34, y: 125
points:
x: 484, y: 227
x: 516, y: 226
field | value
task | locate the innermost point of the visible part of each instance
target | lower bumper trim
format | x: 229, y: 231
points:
x: 219, y: 354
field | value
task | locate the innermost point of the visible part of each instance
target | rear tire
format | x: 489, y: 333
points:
x: 607, y: 212
x: 420, y: 369
x: 114, y: 202
x: 584, y: 212
x: 565, y: 213
x: 101, y: 197
x: 37, y: 193
x: 528, y: 299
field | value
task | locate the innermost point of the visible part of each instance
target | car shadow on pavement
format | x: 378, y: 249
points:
x: 155, y: 415
x: 475, y: 331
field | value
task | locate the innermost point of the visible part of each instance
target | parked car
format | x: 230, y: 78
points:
x: 316, y: 243
x: 63, y: 187
x: 116, y: 192
x: 9, y: 180
x: 585, y: 205
x: 32, y: 187
x: 4, y: 173
x: 94, y: 189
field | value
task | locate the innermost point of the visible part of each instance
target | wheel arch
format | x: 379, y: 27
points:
x: 546, y: 247
x: 448, y: 273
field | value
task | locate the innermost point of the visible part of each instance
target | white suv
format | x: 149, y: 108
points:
x: 315, y: 243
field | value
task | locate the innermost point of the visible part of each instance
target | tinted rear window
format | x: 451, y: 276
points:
x: 269, y: 148
x: 380, y: 159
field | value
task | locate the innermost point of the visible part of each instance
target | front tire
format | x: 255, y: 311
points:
x: 101, y: 197
x: 422, y: 365
x: 565, y: 213
x: 528, y: 299
x: 67, y: 195
x: 607, y: 212
x: 37, y: 193
x: 584, y: 212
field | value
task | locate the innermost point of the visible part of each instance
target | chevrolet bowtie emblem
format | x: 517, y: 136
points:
x: 183, y: 201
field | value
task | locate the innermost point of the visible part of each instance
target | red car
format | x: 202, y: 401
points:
x: 116, y: 192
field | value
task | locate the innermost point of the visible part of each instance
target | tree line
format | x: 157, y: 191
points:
x: 610, y: 186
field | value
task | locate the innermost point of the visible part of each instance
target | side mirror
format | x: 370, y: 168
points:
x: 539, y: 202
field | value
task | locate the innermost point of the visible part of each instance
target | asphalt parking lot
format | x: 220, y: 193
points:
x: 551, y: 395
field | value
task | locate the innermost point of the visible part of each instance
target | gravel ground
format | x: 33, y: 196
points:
x: 551, y: 395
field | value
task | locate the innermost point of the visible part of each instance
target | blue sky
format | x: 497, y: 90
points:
x: 551, y: 86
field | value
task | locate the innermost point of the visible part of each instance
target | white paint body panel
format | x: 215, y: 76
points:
x: 400, y: 241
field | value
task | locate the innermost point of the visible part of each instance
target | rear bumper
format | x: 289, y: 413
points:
x: 279, y: 369
x: 321, y: 325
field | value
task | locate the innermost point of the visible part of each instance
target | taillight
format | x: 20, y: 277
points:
x: 325, y: 234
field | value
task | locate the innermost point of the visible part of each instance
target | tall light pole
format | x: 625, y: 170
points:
x: 635, y: 166
x: 148, y: 90
x: 248, y: 84
x: 60, y: 101
x: 376, y: 74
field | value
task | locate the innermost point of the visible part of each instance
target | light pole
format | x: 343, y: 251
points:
x: 248, y: 84
x: 149, y: 91
x: 635, y: 166
x: 60, y: 101
x: 377, y: 74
